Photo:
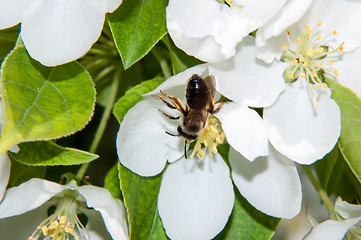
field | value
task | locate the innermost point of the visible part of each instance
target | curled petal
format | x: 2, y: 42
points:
x: 244, y: 129
x: 112, y: 210
x: 271, y: 184
x: 347, y: 210
x: 331, y: 230
x: 142, y: 144
x: 16, y: 199
x: 196, y: 198
x: 299, y: 130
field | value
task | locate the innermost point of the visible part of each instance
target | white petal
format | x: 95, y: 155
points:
x: 347, y: 210
x: 347, y: 67
x: 180, y: 81
x: 56, y: 32
x: 244, y: 129
x: 333, y: 17
x: 111, y: 209
x: 290, y: 13
x: 271, y: 184
x: 212, y: 35
x: 12, y: 11
x: 331, y: 230
x: 4, y: 173
x: 196, y: 198
x: 28, y: 196
x: 142, y: 144
x: 113, y: 5
x: 95, y: 226
x: 22, y: 226
x: 245, y: 79
x: 297, y: 129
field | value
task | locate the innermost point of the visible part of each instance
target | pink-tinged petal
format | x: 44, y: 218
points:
x: 331, y: 230
x: 142, y: 144
x: 196, y: 198
x: 347, y: 67
x: 4, y: 173
x: 111, y: 209
x: 299, y: 130
x: 271, y: 184
x: 247, y: 80
x: 347, y: 210
x: 212, y: 35
x: 28, y: 196
x: 56, y: 32
x: 12, y: 12
x: 244, y: 129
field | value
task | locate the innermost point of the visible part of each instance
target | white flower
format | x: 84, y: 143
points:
x: 211, y: 30
x: 347, y: 226
x: 304, y: 122
x: 196, y: 195
x: 56, y: 32
x: 26, y: 209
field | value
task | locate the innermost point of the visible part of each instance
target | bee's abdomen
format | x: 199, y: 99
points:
x: 197, y: 93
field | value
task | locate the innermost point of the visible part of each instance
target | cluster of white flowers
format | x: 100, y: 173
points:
x: 281, y: 70
x: 269, y: 55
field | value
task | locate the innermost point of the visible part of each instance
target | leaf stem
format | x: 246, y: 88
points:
x: 320, y: 191
x: 103, y: 121
x: 162, y: 62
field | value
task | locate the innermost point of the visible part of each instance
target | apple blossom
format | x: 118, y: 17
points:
x: 57, y: 32
x: 27, y: 205
x: 196, y: 194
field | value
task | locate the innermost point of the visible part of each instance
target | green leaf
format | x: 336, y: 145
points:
x: 350, y: 139
x: 141, y: 201
x: 44, y: 153
x: 247, y: 223
x: 134, y: 95
x: 42, y: 103
x: 111, y: 182
x: 137, y: 25
x: 180, y: 60
x: 7, y: 40
x: 21, y: 173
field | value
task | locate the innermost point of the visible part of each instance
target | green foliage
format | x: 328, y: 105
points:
x: 133, y: 96
x: 350, y: 139
x: 42, y: 103
x: 8, y: 38
x: 141, y: 200
x: 137, y: 26
x: 44, y: 153
x: 21, y: 173
x: 111, y: 182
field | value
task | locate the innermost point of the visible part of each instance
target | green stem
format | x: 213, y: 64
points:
x: 162, y: 62
x: 320, y: 191
x: 103, y: 121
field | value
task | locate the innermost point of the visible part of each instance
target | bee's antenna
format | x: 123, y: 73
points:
x: 185, y: 149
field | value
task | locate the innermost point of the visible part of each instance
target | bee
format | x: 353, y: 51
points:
x: 199, y: 103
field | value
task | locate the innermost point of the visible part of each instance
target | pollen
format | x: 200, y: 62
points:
x: 211, y: 136
x: 335, y: 72
x: 309, y: 52
x: 284, y: 47
x: 298, y: 40
x: 319, y: 24
x: 306, y: 27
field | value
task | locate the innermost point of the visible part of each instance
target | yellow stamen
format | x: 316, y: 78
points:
x: 331, y: 61
x: 294, y: 62
x: 301, y: 60
x: 319, y: 24
x: 288, y: 32
x: 319, y: 64
x: 201, y: 153
x: 341, y: 49
x: 334, y: 32
x: 306, y: 64
x: 313, y: 74
x: 214, y: 148
x: 319, y: 51
x: 335, y: 72
x: 284, y: 47
x: 303, y: 75
x: 298, y: 40
x: 318, y: 38
x: 62, y: 219
x: 309, y: 52
x: 290, y: 75
x: 306, y: 28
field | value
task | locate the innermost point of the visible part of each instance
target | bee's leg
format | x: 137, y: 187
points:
x: 185, y: 148
x: 171, y: 134
x: 168, y: 116
x: 166, y: 103
x: 177, y: 103
x: 220, y: 105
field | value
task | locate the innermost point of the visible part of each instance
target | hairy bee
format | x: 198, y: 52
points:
x: 200, y: 102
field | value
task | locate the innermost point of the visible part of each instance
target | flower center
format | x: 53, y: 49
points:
x: 230, y: 3
x: 211, y: 136
x: 309, y: 58
x: 64, y: 223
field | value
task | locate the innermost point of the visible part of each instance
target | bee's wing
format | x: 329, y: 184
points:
x: 210, y: 81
